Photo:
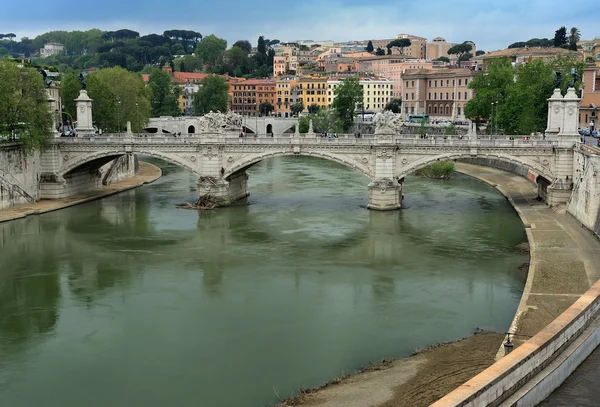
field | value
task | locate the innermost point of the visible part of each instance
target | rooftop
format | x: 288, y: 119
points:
x: 528, y: 51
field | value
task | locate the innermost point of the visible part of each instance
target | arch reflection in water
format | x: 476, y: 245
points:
x: 219, y: 307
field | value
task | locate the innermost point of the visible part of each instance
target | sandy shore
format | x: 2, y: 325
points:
x: 147, y: 173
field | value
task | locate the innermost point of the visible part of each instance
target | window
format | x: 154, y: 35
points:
x: 430, y: 84
x: 435, y: 85
x: 407, y: 84
x: 466, y: 82
x: 406, y: 96
x: 447, y: 110
x: 435, y: 109
x: 458, y: 110
x: 447, y: 82
x: 458, y: 95
x: 465, y: 95
x: 447, y: 95
x: 435, y: 96
x: 412, y: 95
x: 412, y: 83
x: 429, y: 95
x: 430, y: 109
x: 453, y: 82
x: 459, y: 82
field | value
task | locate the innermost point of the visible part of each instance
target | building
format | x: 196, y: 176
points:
x: 249, y: 94
x: 313, y: 90
x: 337, y: 63
x: 587, y: 47
x: 51, y: 48
x: 528, y: 54
x: 286, y: 96
x: 589, y: 108
x: 392, y: 67
x: 377, y: 92
x: 190, y: 82
x: 417, y: 49
x: 440, y: 93
x: 439, y: 47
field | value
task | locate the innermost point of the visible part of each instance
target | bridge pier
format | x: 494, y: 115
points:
x: 222, y: 191
x: 385, y: 194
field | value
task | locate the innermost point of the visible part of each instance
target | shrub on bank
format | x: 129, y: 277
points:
x: 438, y: 170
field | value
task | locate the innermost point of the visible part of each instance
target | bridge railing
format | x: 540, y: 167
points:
x: 344, y: 139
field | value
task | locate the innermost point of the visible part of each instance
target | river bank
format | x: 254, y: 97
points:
x: 561, y: 268
x: 147, y: 173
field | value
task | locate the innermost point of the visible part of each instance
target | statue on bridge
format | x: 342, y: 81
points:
x: 233, y: 121
x: 386, y: 122
x: 216, y: 122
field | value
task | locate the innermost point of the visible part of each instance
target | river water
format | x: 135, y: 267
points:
x: 129, y: 301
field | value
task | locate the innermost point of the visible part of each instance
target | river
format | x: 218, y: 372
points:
x: 131, y: 301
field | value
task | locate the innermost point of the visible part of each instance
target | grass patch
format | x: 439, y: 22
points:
x: 438, y: 170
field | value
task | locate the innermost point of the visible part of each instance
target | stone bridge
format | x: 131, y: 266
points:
x: 220, y: 157
x: 193, y: 125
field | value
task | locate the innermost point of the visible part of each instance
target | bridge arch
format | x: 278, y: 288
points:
x: 246, y: 162
x: 523, y: 163
x: 98, y: 158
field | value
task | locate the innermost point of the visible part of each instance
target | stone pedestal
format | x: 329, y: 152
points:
x: 84, y: 113
x: 385, y: 194
x: 224, y: 192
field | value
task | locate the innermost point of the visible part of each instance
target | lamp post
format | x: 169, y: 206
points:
x: 137, y: 106
x: 119, y: 115
x: 492, y: 119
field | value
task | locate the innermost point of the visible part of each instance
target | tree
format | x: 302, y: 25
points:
x: 480, y: 52
x: 394, y: 105
x: 24, y: 111
x: 560, y: 37
x: 115, y: 92
x: 243, y: 44
x: 347, y: 95
x: 443, y: 59
x: 213, y: 95
x: 237, y: 61
x: 162, y: 99
x: 370, y: 46
x: 460, y: 49
x: 69, y: 89
x: 465, y: 57
x: 313, y: 108
x: 297, y: 108
x: 380, y: 51
x: 303, y: 124
x: 265, y: 108
x: 399, y: 43
x: 326, y: 120
x: 574, y: 37
x: 210, y: 50
x: 262, y: 46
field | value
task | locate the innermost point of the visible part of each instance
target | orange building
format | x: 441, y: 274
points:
x: 249, y: 94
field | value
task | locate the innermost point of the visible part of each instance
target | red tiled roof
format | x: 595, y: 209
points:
x: 189, y: 76
x: 146, y: 77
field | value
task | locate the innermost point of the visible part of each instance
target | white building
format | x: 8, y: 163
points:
x: 52, y: 48
x: 377, y: 92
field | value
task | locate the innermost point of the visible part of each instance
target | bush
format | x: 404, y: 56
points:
x: 438, y: 170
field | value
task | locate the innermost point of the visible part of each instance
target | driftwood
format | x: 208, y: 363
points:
x: 205, y: 203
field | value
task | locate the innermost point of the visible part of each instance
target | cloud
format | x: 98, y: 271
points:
x: 490, y: 24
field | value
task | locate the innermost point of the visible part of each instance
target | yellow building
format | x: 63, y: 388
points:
x: 313, y: 90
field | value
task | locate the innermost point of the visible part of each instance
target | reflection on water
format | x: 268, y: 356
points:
x: 131, y: 301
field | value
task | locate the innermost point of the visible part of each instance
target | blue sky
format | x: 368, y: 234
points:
x: 490, y: 24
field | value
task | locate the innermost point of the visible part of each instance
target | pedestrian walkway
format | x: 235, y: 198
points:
x: 146, y: 174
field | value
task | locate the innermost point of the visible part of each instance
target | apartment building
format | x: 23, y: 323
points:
x: 313, y: 90
x: 440, y: 93
x: 589, y: 108
x: 337, y: 63
x: 377, y: 92
x: 287, y: 95
x: 249, y: 94
x: 51, y: 48
x: 392, y: 67
x: 439, y: 47
x: 417, y: 49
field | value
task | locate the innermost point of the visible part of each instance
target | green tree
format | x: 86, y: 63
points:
x: 243, y: 44
x: 210, y: 50
x: 236, y: 57
x: 262, y: 46
x: 304, y: 124
x: 326, y: 120
x: 347, y: 95
x: 265, y: 108
x: 69, y: 89
x: 574, y: 37
x: 163, y: 99
x: 443, y: 59
x: 297, y: 108
x: 24, y: 111
x: 370, y: 46
x: 399, y: 43
x: 490, y: 87
x: 560, y: 37
x: 212, y: 95
x: 313, y: 108
x: 460, y: 50
x: 394, y: 105
x: 480, y: 52
x: 380, y: 51
x: 115, y: 92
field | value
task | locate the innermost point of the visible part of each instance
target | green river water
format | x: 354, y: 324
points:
x: 130, y: 301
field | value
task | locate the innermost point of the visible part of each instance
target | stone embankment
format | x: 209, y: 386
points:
x: 562, y: 268
x: 147, y: 173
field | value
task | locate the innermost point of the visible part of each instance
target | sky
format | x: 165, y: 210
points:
x: 491, y: 25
